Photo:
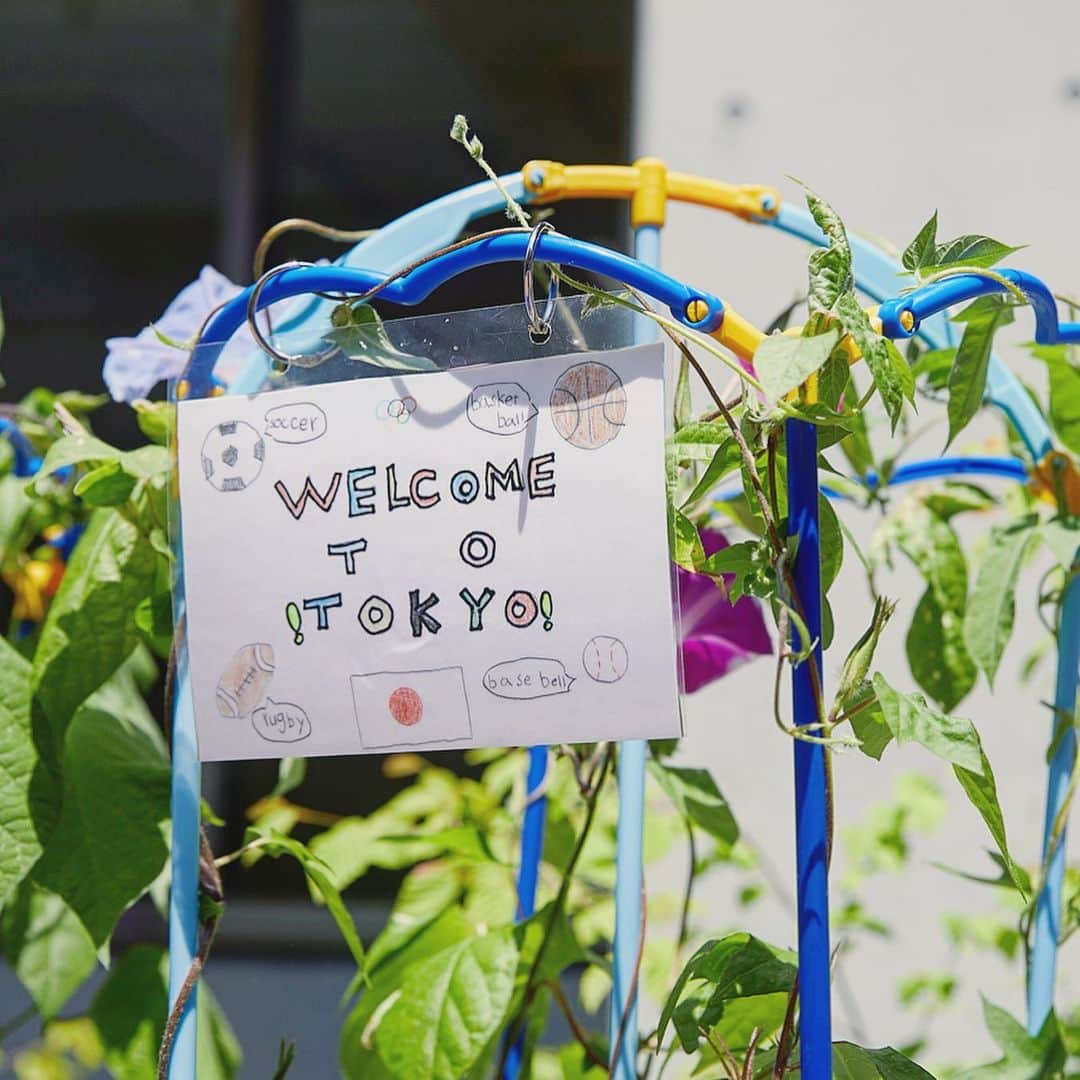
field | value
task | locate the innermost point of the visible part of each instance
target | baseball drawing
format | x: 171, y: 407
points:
x: 232, y: 455
x: 588, y: 405
x: 245, y: 680
x: 605, y: 659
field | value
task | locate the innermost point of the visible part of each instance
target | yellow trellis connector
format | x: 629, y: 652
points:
x: 550, y: 181
x: 648, y: 186
x: 1057, y: 472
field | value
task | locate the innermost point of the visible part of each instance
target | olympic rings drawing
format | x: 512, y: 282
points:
x: 399, y: 409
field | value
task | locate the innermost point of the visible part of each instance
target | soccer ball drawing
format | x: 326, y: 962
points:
x: 588, y: 405
x: 232, y: 455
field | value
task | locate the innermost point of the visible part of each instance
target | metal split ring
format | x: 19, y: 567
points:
x: 280, y: 362
x: 539, y: 322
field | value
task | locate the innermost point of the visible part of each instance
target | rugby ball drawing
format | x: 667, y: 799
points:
x: 245, y: 680
x: 232, y: 455
x: 588, y: 405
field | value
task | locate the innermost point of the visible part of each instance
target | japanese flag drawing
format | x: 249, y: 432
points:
x: 411, y: 708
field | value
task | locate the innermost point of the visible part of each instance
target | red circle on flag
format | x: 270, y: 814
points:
x: 405, y: 706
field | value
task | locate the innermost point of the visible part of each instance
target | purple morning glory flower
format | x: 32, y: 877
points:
x: 135, y: 365
x: 717, y: 636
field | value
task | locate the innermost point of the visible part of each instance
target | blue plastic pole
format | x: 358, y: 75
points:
x: 532, y: 832
x: 811, y: 802
x: 532, y: 851
x: 184, y: 889
x: 629, y: 867
x: 1048, y: 906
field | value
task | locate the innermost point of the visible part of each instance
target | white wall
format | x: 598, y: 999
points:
x: 889, y: 113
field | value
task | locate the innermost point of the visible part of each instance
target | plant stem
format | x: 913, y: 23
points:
x: 575, y: 1027
x: 691, y: 878
x: 173, y: 1022
x: 559, y: 904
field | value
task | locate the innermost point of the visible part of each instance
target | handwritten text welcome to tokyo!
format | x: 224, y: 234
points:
x: 356, y: 492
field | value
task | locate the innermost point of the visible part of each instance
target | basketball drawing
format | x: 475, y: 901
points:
x: 232, y: 455
x: 605, y: 659
x: 588, y: 405
x: 245, y: 680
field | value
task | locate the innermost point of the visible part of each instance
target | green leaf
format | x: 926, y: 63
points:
x: 688, y: 553
x: 988, y: 621
x: 450, y: 1007
x: 736, y: 966
x: 291, y: 774
x: 740, y: 1016
x: 784, y: 363
x: 80, y: 404
x: 682, y: 398
x: 365, y: 338
x: 726, y: 460
x: 981, y: 790
x: 129, y: 1011
x: 936, y: 652
x: 892, y: 375
x: 359, y: 1060
x: 46, y: 946
x: 693, y: 792
x: 145, y: 463
x: 427, y: 891
x: 831, y: 541
x: 153, y: 617
x: 156, y: 419
x: 748, y: 562
x: 75, y: 450
x: 562, y: 949
x: 911, y: 719
x: 968, y: 250
x: 920, y: 252
x: 967, y: 378
x: 16, y: 509
x: 830, y: 268
x: 935, y: 643
x: 107, y: 846
x: 935, y: 364
x: 1062, y: 537
x: 702, y: 432
x: 107, y: 485
x: 958, y: 498
x: 955, y: 740
x: 1024, y: 1057
x: 851, y: 1062
x: 90, y: 628
x: 833, y: 379
x: 318, y: 874
x: 869, y: 727
x: 1064, y: 391
x: 856, y: 446
x: 20, y: 805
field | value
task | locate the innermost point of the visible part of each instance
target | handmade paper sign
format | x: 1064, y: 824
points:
x: 475, y: 557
